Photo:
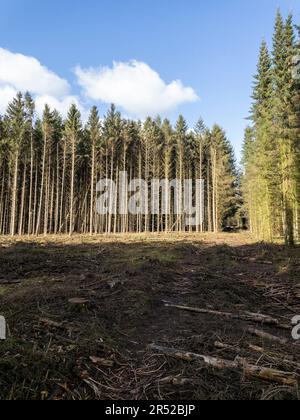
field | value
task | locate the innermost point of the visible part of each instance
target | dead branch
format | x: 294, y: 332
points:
x: 247, y: 316
x: 266, y: 336
x: 222, y: 346
x: 191, y: 357
x: 279, y: 358
x: 284, y: 378
x: 265, y: 319
x: 267, y: 374
x: 10, y: 282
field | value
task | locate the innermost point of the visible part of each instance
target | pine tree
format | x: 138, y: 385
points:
x: 223, y: 178
x: 47, y: 130
x: 94, y: 133
x: 16, y: 131
x: 72, y: 132
x: 283, y: 44
x: 266, y: 199
x: 168, y: 169
x: 271, y: 151
x: 30, y: 110
x: 200, y: 130
x: 180, y: 134
x: 112, y: 136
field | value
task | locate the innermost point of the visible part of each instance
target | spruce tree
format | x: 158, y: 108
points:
x: 94, y: 133
x: 16, y: 131
x: 73, y: 128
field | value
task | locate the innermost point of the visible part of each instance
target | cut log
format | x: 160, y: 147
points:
x: 271, y: 375
x: 265, y: 319
x: 278, y: 376
x: 191, y: 357
x: 269, y: 337
x: 246, y: 316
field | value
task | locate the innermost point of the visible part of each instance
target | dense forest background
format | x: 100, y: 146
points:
x: 271, y: 158
x: 50, y: 168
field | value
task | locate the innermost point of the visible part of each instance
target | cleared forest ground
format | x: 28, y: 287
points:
x: 82, y: 312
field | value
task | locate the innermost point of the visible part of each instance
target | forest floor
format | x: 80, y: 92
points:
x: 81, y: 313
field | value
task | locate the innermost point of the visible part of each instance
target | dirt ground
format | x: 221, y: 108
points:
x: 82, y: 312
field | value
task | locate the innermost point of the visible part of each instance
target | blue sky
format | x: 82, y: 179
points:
x: 210, y: 47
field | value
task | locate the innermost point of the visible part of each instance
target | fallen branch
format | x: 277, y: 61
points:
x: 284, y: 378
x: 247, y: 316
x: 9, y: 282
x: 265, y: 319
x: 267, y: 374
x: 199, y: 310
x: 222, y: 346
x: 269, y: 337
x: 191, y: 357
x: 279, y: 358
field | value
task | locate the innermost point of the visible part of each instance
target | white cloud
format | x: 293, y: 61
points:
x: 7, y: 93
x: 22, y: 73
x: 135, y: 87
x: 61, y: 105
x: 27, y: 74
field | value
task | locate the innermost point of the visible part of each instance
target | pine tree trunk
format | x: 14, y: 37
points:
x: 30, y: 186
x: 61, y: 222
x: 71, y: 229
x: 14, y: 195
x: 92, y: 191
x: 39, y: 216
x: 22, y: 201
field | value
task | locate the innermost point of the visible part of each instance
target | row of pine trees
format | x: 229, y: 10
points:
x: 49, y: 168
x: 271, y: 179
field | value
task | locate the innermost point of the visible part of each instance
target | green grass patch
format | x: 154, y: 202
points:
x: 3, y: 290
x: 139, y: 256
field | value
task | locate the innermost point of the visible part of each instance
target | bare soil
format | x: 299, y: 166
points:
x: 82, y: 311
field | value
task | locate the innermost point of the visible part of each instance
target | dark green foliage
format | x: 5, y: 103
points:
x: 271, y: 150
